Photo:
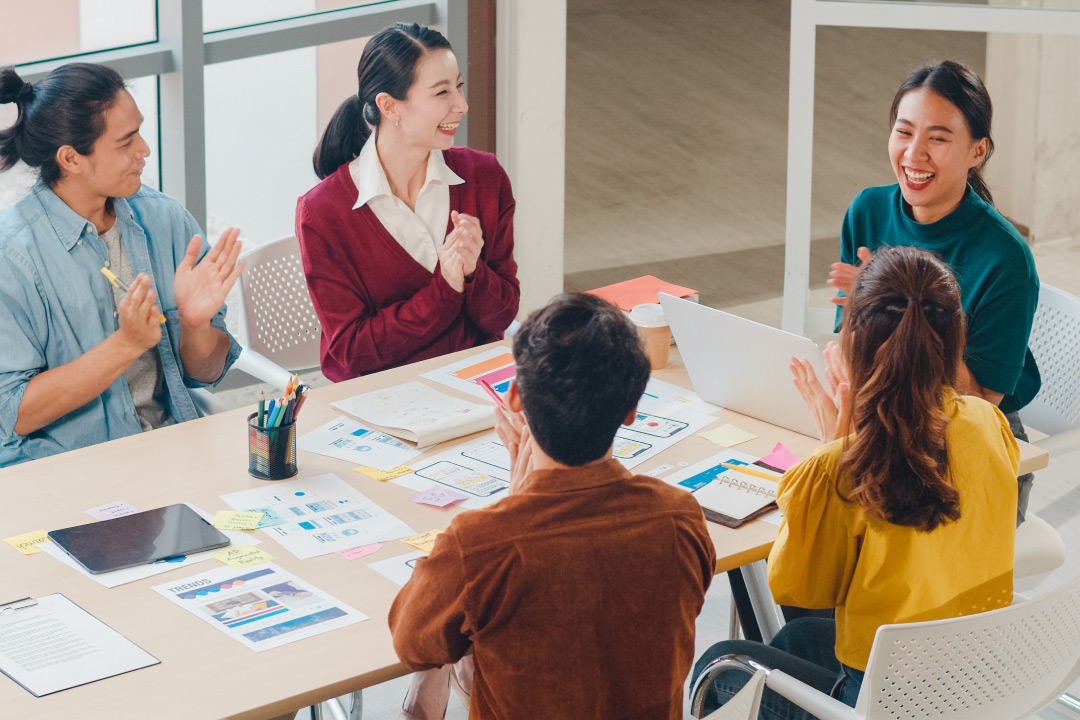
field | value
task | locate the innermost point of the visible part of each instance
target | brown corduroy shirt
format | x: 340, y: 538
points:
x: 577, y: 594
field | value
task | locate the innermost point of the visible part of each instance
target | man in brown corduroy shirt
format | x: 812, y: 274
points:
x: 578, y: 592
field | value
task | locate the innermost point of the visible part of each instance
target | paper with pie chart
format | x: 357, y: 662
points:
x: 324, y: 514
x: 261, y: 607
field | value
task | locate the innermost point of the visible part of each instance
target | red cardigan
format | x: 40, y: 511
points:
x: 379, y: 308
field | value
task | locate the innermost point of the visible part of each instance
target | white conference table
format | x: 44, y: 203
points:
x: 203, y: 673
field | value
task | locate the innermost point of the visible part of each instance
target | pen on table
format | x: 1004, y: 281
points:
x: 262, y: 408
x: 748, y: 471
x: 494, y: 395
x: 124, y: 286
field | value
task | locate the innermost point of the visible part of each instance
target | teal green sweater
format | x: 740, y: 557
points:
x: 999, y: 287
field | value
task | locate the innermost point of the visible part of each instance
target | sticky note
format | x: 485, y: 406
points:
x: 27, y: 542
x: 384, y: 475
x: 235, y: 520
x: 780, y: 458
x: 424, y: 542
x: 359, y: 552
x: 728, y: 435
x: 111, y: 510
x: 242, y: 556
x: 439, y: 497
x: 270, y: 517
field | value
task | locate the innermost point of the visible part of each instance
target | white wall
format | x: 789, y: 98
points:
x: 530, y: 137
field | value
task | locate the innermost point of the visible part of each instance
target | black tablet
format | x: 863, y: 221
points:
x: 138, y: 539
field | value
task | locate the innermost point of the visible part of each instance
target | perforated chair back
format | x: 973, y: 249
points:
x: 1055, y: 343
x: 277, y: 318
x: 1007, y: 663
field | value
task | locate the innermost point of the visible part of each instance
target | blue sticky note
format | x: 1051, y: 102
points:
x: 269, y: 518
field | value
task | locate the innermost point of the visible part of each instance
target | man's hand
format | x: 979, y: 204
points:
x: 200, y: 290
x: 140, y: 318
x: 842, y: 276
x: 515, y: 435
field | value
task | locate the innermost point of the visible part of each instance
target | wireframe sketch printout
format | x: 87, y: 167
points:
x: 495, y: 367
x: 324, y: 515
x: 262, y: 607
x: 50, y: 644
x: 418, y: 413
x: 480, y: 470
x: 346, y: 439
x: 398, y: 569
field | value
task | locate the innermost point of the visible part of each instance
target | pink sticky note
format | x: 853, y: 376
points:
x: 111, y: 510
x: 439, y: 497
x: 780, y: 458
x: 359, y: 552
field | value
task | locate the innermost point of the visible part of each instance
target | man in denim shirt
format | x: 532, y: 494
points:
x: 81, y: 362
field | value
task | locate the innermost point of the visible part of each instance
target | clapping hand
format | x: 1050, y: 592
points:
x: 831, y: 407
x: 515, y: 435
x: 200, y: 289
x: 468, y: 237
x: 842, y: 276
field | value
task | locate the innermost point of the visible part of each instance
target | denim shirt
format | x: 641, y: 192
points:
x: 55, y: 305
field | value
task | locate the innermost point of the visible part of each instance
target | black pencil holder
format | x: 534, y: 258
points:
x: 271, y: 450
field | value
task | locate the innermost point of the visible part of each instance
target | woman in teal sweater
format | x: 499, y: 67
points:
x: 939, y: 142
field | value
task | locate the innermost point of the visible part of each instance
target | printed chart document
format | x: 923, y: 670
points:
x: 126, y: 575
x: 418, y: 413
x: 346, y: 439
x: 50, y: 644
x: 730, y: 488
x: 262, y: 607
x: 324, y: 514
x: 496, y: 367
x: 480, y: 470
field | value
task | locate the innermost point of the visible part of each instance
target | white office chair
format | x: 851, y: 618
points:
x: 1007, y: 663
x: 277, y: 318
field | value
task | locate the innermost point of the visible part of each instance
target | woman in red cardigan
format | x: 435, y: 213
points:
x: 408, y: 242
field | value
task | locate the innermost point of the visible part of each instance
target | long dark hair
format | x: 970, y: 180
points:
x: 66, y: 108
x: 903, y: 338
x: 961, y: 86
x: 387, y: 65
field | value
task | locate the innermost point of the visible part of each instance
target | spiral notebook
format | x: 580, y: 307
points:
x: 731, y: 489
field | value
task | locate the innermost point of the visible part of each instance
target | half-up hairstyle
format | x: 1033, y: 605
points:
x: 903, y: 337
x: 961, y: 86
x: 387, y: 65
x: 66, y: 108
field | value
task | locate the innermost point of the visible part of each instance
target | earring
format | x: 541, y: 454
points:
x: 397, y: 123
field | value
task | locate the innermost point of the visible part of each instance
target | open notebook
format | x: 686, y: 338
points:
x: 730, y: 487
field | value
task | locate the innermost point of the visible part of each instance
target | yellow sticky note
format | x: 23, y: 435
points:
x: 424, y: 542
x: 242, y: 556
x: 728, y: 435
x: 27, y: 542
x: 236, y: 520
x: 384, y: 475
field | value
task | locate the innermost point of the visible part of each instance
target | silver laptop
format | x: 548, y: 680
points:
x: 742, y: 365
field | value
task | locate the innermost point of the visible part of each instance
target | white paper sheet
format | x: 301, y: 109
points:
x: 347, y: 439
x: 325, y: 514
x: 261, y: 607
x: 397, y: 569
x: 496, y: 366
x: 418, y: 413
x: 650, y: 435
x: 480, y: 470
x: 126, y: 575
x: 667, y: 400
x: 54, y: 645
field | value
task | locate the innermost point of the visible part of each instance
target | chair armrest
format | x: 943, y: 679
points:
x: 263, y: 368
x: 1061, y: 443
x: 206, y: 402
x: 813, y: 701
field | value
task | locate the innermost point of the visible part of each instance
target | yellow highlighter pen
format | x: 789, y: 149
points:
x: 123, y: 286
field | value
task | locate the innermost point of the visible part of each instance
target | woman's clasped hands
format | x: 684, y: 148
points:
x: 460, y: 250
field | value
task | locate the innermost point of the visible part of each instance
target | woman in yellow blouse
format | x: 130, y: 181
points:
x: 909, y: 513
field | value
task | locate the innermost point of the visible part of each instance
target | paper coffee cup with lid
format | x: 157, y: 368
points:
x: 652, y: 326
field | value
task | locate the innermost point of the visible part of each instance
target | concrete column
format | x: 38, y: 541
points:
x: 1032, y: 80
